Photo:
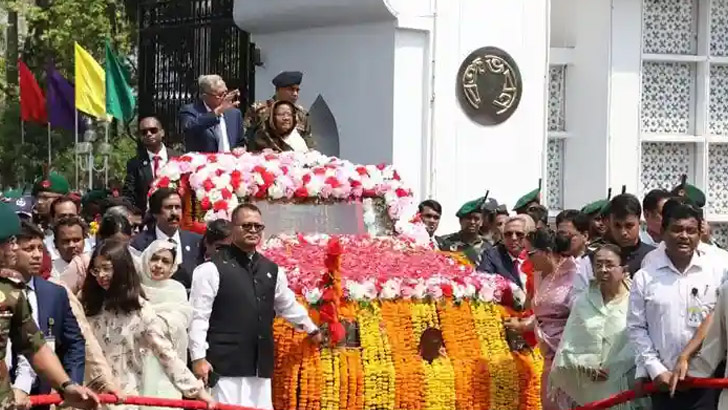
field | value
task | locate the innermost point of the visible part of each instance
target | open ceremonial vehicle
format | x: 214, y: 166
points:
x: 406, y: 327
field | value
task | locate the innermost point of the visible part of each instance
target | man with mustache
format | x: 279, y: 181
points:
x: 430, y: 212
x: 165, y: 205
x: 467, y: 240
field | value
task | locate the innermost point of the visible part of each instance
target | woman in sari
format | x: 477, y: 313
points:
x: 279, y: 132
x: 169, y: 300
x: 555, y: 273
x: 596, y: 359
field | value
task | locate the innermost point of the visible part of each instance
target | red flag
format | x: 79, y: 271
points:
x: 32, y: 102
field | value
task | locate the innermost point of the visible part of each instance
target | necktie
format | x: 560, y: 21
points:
x: 156, y: 160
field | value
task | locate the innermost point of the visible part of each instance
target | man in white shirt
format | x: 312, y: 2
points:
x: 670, y: 297
x: 652, y: 204
x: 61, y: 208
x: 69, y: 239
x: 430, y: 213
x: 214, y: 122
x: 235, y: 297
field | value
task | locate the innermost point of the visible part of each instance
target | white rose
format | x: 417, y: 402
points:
x: 313, y: 295
x: 390, y: 290
x: 420, y: 291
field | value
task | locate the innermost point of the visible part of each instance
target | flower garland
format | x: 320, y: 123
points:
x: 331, y: 296
x: 379, y: 378
x: 409, y: 372
x: 440, y: 387
x: 222, y: 181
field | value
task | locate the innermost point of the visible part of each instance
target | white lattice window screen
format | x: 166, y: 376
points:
x: 557, y: 133
x: 684, y: 102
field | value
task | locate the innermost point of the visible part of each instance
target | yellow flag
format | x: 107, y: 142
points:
x: 90, y: 84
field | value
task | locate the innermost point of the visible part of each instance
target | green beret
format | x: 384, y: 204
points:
x: 55, y: 183
x: 95, y: 195
x: 692, y: 193
x: 9, y: 222
x: 595, y: 207
x: 468, y: 208
x: 12, y: 194
x: 533, y: 196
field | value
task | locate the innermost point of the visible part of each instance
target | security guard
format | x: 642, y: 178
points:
x: 17, y: 325
x: 526, y: 201
x: 288, y: 85
x: 468, y: 240
x: 597, y: 225
x: 691, y: 192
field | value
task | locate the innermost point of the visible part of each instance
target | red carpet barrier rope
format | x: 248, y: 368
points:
x: 140, y: 401
x: 649, y: 388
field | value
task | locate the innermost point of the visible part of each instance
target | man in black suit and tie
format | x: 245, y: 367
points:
x: 151, y: 156
x: 52, y: 313
x: 213, y: 123
x: 505, y: 258
x: 165, y: 205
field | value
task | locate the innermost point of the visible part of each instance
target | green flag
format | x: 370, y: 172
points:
x: 119, y: 95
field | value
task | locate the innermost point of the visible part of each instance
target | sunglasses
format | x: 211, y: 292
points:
x: 252, y: 227
x: 146, y: 131
x: 519, y: 235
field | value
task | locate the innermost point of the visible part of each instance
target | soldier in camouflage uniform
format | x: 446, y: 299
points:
x: 468, y: 240
x: 597, y: 228
x: 288, y: 85
x: 17, y: 325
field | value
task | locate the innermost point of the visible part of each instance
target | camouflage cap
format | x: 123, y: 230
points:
x: 9, y: 222
x: 470, y: 207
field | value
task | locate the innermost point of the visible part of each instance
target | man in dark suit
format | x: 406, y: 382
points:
x: 151, y: 156
x: 213, y: 123
x: 52, y: 312
x: 165, y: 205
x: 505, y: 258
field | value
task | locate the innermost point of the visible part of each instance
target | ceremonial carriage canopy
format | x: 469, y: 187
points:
x: 405, y: 327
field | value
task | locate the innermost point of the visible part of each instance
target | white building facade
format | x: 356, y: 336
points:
x: 614, y: 92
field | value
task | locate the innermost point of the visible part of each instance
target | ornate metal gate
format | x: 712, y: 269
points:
x: 180, y: 40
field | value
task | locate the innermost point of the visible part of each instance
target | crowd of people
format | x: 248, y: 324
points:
x: 620, y: 291
x: 615, y: 302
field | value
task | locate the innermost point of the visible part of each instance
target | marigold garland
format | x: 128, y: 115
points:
x: 440, y: 388
x: 409, y: 372
x: 379, y: 377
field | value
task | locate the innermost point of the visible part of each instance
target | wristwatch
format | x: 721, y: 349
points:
x: 64, y: 386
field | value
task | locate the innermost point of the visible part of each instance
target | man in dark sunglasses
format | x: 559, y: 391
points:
x: 151, y: 156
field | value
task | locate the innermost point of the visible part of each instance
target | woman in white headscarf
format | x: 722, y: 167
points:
x: 169, y: 300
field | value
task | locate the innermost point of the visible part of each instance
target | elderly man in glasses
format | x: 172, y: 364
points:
x: 235, y: 297
x: 151, y: 156
x: 506, y: 257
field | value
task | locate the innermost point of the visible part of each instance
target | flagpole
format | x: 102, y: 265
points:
x: 49, y: 143
x: 75, y: 148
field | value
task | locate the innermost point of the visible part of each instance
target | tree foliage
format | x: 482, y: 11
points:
x: 53, y: 27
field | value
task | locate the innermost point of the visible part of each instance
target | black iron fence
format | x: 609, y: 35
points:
x: 179, y: 40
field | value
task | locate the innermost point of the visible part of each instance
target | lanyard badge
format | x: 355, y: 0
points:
x: 695, y: 309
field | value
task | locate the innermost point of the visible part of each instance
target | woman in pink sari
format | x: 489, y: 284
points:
x: 554, y: 295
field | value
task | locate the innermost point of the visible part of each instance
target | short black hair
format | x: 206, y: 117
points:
x: 625, y: 205
x: 577, y: 218
x: 245, y: 205
x: 70, y: 221
x: 62, y: 200
x: 680, y: 208
x: 545, y: 239
x: 539, y: 213
x: 112, y: 224
x: 430, y: 203
x: 28, y: 231
x: 218, y: 230
x: 158, y: 198
x: 653, y: 198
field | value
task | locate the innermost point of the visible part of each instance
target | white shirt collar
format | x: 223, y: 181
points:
x: 162, y: 154
x: 662, y: 261
x: 163, y: 236
x: 31, y: 284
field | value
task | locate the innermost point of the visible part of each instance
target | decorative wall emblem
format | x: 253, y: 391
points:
x: 489, y: 86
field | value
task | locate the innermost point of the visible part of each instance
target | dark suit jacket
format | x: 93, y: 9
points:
x: 198, y: 127
x: 497, y: 260
x: 55, y: 318
x: 139, y: 177
x: 191, y: 255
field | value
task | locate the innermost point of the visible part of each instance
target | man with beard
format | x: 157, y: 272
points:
x: 235, y: 298
x: 670, y: 297
x: 430, y: 213
x: 17, y: 325
x: 165, y: 206
x: 468, y: 240
x: 52, y: 314
x: 152, y: 155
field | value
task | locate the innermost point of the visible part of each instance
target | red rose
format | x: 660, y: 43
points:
x: 381, y: 166
x: 235, y: 178
x: 401, y: 193
x: 368, y: 193
x: 212, y: 158
x: 208, y: 185
x: 333, y: 182
x: 284, y: 170
x: 184, y: 158
x: 219, y: 172
x: 220, y: 205
x: 268, y: 178
x: 362, y: 170
x: 396, y: 176
x: 354, y: 183
x: 205, y: 203
x: 333, y: 247
x: 446, y: 289
x: 338, y: 333
x: 319, y: 171
x: 226, y: 194
x: 306, y: 178
x: 163, y: 182
x: 259, y: 169
x: 301, y: 192
x: 270, y: 157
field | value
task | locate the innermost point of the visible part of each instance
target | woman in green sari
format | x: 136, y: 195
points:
x: 596, y: 359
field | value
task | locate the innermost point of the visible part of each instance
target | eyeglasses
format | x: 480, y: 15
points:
x: 96, y: 272
x: 252, y: 227
x: 600, y: 266
x: 519, y: 235
x: 152, y: 130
